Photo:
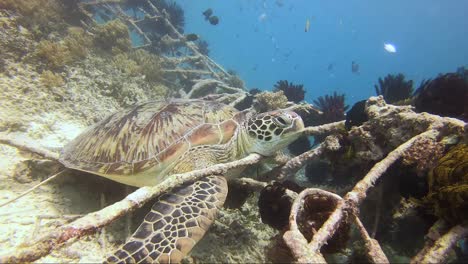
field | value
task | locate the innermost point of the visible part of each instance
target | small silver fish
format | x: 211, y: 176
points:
x: 307, y: 25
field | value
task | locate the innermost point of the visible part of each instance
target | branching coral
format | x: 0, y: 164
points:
x: 78, y: 42
x: 54, y: 54
x: 267, y: 101
x: 332, y: 106
x: 294, y: 93
x: 113, y: 36
x: 446, y: 95
x: 75, y: 46
x: 139, y: 62
x: 124, y: 64
x: 394, y: 88
x: 41, y: 16
x: 50, y: 79
x: 150, y: 64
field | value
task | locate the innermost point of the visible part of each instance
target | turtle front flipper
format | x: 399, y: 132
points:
x: 176, y: 222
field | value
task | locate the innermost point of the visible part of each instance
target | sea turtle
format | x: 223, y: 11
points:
x: 144, y: 145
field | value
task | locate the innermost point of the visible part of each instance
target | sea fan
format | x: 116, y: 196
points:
x: 394, y: 88
x: 332, y: 106
x: 293, y: 92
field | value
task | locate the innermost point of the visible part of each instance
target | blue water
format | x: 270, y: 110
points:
x: 431, y: 37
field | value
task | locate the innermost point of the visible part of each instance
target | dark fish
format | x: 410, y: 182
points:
x: 208, y: 13
x: 330, y: 67
x: 191, y: 37
x: 214, y: 20
x: 354, y: 67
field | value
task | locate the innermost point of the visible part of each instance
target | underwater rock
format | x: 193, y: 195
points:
x: 356, y: 115
x: 446, y: 95
x: 448, y: 186
x: 424, y: 153
x: 294, y: 93
x: 332, y: 106
x: 378, y: 136
x: 394, y: 88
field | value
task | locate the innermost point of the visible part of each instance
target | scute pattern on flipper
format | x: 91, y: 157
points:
x: 175, y: 223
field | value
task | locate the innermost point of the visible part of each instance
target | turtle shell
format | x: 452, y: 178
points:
x: 448, y: 185
x: 138, y: 146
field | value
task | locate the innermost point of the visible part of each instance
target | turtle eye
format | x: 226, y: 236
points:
x: 281, y: 121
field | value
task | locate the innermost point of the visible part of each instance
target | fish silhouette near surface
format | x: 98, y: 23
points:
x: 214, y: 20
x: 207, y: 13
x: 354, y: 67
x: 307, y: 25
x: 390, y: 48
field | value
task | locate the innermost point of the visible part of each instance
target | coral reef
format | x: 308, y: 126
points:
x: 424, y: 154
x: 113, y: 36
x: 56, y: 54
x: 445, y: 95
x: 83, y: 93
x: 267, y: 101
x: 294, y: 93
x: 333, y: 107
x: 203, y: 47
x: 40, y: 16
x: 275, y: 206
x: 176, y: 13
x: 394, y: 88
x: 234, y: 80
x: 50, y: 79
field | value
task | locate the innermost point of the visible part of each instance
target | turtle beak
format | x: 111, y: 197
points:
x: 297, y: 123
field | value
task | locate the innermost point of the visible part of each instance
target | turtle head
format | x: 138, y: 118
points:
x: 272, y: 131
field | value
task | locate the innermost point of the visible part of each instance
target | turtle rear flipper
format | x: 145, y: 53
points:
x: 176, y: 222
